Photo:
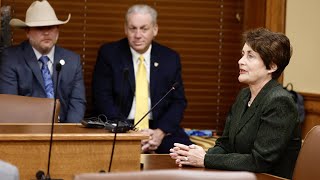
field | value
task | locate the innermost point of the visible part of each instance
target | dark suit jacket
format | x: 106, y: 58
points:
x: 20, y: 74
x: 261, y: 138
x: 109, y: 82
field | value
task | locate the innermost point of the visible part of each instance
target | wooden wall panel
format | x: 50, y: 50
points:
x: 255, y: 14
x: 275, y: 18
x: 265, y: 13
x: 276, y: 15
x: 312, y: 110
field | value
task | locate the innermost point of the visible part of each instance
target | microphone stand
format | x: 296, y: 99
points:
x: 125, y: 77
x: 40, y: 174
x: 174, y: 86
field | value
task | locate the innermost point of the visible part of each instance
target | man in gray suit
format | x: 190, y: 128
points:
x: 8, y: 171
x: 29, y: 69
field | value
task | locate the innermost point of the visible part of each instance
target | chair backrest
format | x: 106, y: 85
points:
x: 24, y: 109
x: 169, y: 174
x: 309, y: 157
x: 8, y: 171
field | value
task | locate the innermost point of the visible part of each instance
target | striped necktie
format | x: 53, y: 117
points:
x: 48, y: 84
x: 142, y: 95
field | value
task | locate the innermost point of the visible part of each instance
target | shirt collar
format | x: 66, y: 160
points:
x: 50, y: 54
x: 146, y: 55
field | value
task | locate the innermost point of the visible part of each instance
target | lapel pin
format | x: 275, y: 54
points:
x: 156, y: 64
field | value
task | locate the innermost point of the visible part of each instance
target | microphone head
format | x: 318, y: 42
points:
x: 58, y: 67
x: 175, y: 85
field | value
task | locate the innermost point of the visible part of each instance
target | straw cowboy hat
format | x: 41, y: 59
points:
x: 40, y: 13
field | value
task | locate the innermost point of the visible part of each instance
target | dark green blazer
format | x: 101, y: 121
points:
x: 259, y: 138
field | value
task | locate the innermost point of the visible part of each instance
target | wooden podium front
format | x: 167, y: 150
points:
x: 75, y: 149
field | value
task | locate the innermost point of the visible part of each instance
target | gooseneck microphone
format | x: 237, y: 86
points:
x: 40, y: 174
x: 125, y: 79
x: 174, y: 86
x: 124, y: 126
x: 129, y: 127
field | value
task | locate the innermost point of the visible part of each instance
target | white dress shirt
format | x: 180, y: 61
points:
x: 50, y: 56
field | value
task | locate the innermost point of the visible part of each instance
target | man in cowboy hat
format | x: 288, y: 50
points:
x: 29, y: 69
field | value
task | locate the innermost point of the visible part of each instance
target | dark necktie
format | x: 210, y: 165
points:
x: 48, y: 84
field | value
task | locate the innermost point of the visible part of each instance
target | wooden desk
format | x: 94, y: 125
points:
x: 75, y: 149
x: 158, y: 161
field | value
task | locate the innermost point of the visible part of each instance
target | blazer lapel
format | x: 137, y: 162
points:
x: 247, y: 115
x: 57, y: 57
x: 32, y: 62
x: 154, y: 67
x: 127, y: 63
x: 241, y: 115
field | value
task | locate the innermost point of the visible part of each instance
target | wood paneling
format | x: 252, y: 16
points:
x: 75, y: 149
x: 255, y: 14
x: 275, y: 18
x: 312, y: 110
x: 276, y: 15
x: 265, y: 13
